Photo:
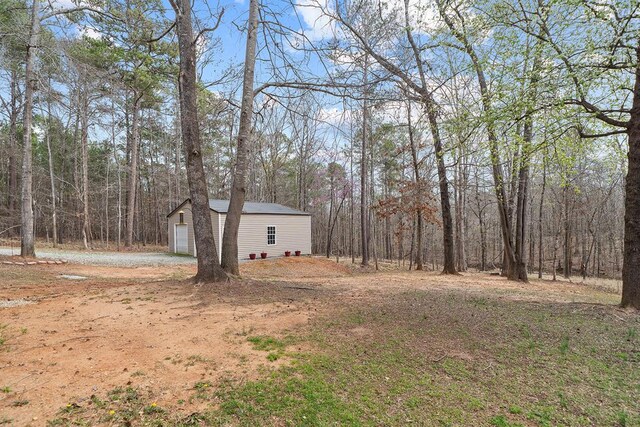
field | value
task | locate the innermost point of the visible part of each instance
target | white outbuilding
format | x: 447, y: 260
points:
x: 268, y: 228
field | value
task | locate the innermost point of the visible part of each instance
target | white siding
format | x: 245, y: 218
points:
x: 175, y: 219
x: 293, y: 233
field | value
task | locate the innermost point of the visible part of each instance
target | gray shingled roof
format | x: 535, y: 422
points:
x: 222, y: 206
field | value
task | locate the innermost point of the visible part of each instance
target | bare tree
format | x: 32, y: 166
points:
x: 238, y: 188
x: 209, y: 269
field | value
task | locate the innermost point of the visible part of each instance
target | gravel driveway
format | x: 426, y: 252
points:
x: 119, y: 259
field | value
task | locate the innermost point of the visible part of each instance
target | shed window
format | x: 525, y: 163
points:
x: 271, y: 235
x: 181, y: 217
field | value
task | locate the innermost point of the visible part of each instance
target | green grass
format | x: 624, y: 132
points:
x: 267, y: 343
x: 274, y: 346
x: 3, y: 338
x: 438, y: 359
x: 426, y: 358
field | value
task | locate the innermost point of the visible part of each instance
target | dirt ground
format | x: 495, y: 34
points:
x: 64, y: 339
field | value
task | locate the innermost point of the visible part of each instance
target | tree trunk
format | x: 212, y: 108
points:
x: 540, y: 211
x: 416, y: 174
x: 133, y: 168
x: 631, y: 263
x: 458, y: 195
x: 364, y: 215
x: 445, y: 204
x: 209, y: 268
x: 329, y: 225
x: 566, y: 270
x: 13, y: 146
x: 27, y: 241
x: 84, y: 142
x: 238, y: 188
x: 52, y: 182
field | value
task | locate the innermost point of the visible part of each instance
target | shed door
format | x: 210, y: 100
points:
x: 182, y: 243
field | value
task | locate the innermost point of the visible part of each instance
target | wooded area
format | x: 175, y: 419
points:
x: 445, y: 135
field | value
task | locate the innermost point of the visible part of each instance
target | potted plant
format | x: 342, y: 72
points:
x: 252, y: 256
x: 287, y: 253
x: 298, y: 253
x: 263, y: 255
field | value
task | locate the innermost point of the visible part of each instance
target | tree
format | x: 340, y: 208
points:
x: 27, y: 242
x: 209, y: 269
x: 608, y: 58
x: 238, y: 187
x: 417, y: 82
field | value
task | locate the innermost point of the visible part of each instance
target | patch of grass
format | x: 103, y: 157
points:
x: 291, y: 396
x: 632, y: 334
x: 196, y: 358
x: 5, y: 389
x: 203, y: 390
x: 3, y: 338
x: 434, y: 359
x: 273, y: 356
x: 152, y: 409
x: 5, y: 420
x: 513, y: 409
x: 126, y: 395
x: 502, y: 421
x: 274, y: 346
x: 623, y: 418
x: 266, y: 343
x: 122, y: 406
x: 18, y: 403
x: 564, y: 346
x: 202, y: 385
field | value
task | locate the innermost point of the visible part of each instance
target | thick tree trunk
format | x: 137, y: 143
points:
x: 631, y: 264
x: 27, y: 241
x: 209, y: 268
x: 238, y: 188
x: 445, y: 204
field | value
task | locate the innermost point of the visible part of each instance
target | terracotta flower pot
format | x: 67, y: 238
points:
x: 263, y: 255
x: 252, y: 256
x: 298, y: 253
x: 287, y: 253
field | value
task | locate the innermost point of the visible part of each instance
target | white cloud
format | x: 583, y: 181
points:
x: 314, y: 14
x: 334, y: 116
x: 90, y: 32
x: 59, y: 5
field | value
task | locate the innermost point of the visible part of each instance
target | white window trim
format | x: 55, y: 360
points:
x: 275, y: 235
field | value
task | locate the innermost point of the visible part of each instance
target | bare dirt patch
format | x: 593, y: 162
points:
x: 294, y: 268
x: 84, y: 338
x: 151, y: 328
